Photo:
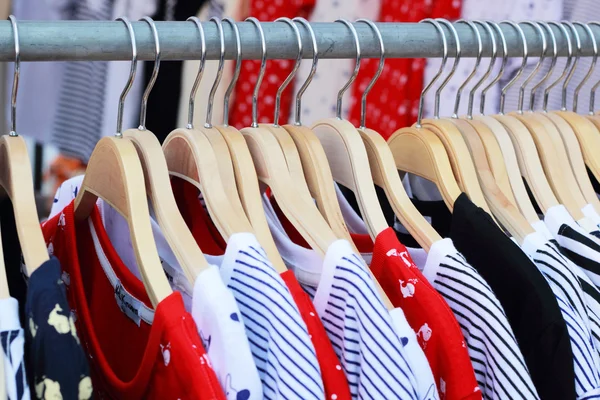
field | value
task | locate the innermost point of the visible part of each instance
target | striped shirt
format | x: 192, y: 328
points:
x: 562, y: 276
x: 279, y: 340
x: 13, y: 342
x: 497, y: 361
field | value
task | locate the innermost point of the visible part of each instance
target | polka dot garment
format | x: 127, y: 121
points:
x: 277, y: 70
x: 393, y: 103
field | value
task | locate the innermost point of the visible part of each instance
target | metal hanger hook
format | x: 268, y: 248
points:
x: 261, y: 74
x: 195, y: 20
x: 150, y: 85
x: 521, y: 68
x: 437, y: 26
x: 291, y: 75
x: 363, y: 106
x: 592, y: 65
x: 537, y: 67
x: 132, y: 72
x: 338, y: 109
x: 595, y: 87
x: 565, y: 32
x: 236, y: 73
x: 573, y: 65
x: 15, y: 86
x: 502, y: 65
x: 477, y: 62
x: 213, y: 89
x: 313, y: 69
x: 438, y: 92
x: 552, y: 65
x: 488, y: 27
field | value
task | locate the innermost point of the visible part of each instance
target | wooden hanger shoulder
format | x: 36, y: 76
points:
x: 270, y: 165
x: 17, y: 181
x: 570, y: 197
x: 461, y: 162
x: 249, y: 192
x: 420, y: 152
x: 529, y: 161
x: 318, y: 177
x: 512, y: 167
x: 385, y: 175
x: 349, y: 165
x: 158, y: 189
x: 569, y: 149
x: 114, y: 173
x: 189, y: 156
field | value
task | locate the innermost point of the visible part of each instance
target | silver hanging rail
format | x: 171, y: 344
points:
x: 108, y: 40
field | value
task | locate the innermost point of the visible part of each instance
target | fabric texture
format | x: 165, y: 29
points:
x: 130, y: 355
x: 13, y: 341
x: 55, y: 359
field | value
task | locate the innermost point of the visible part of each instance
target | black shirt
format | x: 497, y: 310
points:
x: 56, y: 362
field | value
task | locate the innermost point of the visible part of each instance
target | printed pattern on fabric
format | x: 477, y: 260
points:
x: 56, y: 359
x: 279, y: 340
x: 497, y: 361
x: 13, y: 341
x: 562, y: 277
x: 361, y: 331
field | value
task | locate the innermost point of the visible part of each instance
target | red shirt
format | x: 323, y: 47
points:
x: 334, y: 379
x: 128, y: 360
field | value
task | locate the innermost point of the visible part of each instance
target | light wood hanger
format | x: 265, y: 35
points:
x: 502, y: 145
x: 243, y: 166
x: 114, y: 174
x: 16, y: 181
x: 268, y: 160
x: 383, y: 168
x: 191, y: 156
x: 158, y: 185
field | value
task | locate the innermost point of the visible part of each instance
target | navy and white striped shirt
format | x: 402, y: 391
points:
x: 564, y: 281
x: 497, y: 360
x: 279, y: 341
x: 360, y: 328
x: 13, y: 342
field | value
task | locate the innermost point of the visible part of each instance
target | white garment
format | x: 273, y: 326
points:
x: 590, y: 212
x: 13, y: 342
x: 319, y: 100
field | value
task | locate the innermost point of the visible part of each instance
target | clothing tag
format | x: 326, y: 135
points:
x: 128, y: 304
x: 176, y: 277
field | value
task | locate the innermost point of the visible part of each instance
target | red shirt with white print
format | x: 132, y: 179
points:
x: 134, y: 352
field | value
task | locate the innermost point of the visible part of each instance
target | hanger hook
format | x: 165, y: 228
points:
x: 213, y: 89
x: 438, y: 92
x: 338, y: 109
x: 289, y: 78
x: 488, y: 27
x: 593, y: 89
x: 592, y: 65
x: 261, y: 74
x: 15, y: 87
x: 565, y: 32
x: 195, y: 20
x: 363, y: 107
x: 550, y: 70
x: 477, y: 62
x: 440, y: 70
x: 537, y: 67
x: 132, y: 72
x: 150, y: 85
x: 236, y: 74
x: 313, y: 69
x: 502, y: 65
x: 573, y: 65
x: 521, y: 68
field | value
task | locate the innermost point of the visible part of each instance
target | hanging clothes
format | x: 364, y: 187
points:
x: 13, y: 348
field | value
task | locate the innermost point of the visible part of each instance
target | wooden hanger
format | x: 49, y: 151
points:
x: 114, y: 174
x: 191, y: 156
x: 158, y: 185
x: 240, y: 160
x: 269, y: 162
x: 16, y: 180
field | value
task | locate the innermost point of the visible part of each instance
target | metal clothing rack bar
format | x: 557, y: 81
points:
x: 108, y: 40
